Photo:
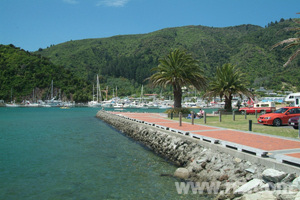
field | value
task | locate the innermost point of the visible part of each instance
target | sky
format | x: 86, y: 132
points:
x: 34, y: 24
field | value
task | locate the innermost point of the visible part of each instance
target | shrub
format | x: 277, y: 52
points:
x: 177, y: 110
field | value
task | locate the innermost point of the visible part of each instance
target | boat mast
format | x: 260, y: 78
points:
x: 51, y: 89
x: 100, y: 96
x: 11, y: 95
x: 97, y: 89
x: 106, y: 92
x: 142, y: 94
x: 93, y: 92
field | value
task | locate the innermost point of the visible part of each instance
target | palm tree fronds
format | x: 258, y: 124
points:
x: 227, y: 82
x: 292, y: 58
x: 291, y: 45
x: 178, y: 69
x: 290, y: 40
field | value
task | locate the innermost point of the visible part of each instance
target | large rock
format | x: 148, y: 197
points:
x: 289, y: 178
x: 273, y: 175
x: 248, y: 187
x: 259, y: 196
x: 237, y: 160
x: 285, y: 194
x: 182, y: 173
x: 296, y: 183
x: 297, y: 197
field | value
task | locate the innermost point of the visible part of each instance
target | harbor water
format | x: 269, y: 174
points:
x: 53, y: 153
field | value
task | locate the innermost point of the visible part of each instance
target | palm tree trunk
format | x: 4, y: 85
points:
x: 228, y: 106
x: 177, y: 96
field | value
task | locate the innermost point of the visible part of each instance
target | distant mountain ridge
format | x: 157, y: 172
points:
x: 133, y: 56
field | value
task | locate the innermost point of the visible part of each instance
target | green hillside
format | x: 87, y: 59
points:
x: 125, y: 61
x: 132, y: 56
x: 22, y: 72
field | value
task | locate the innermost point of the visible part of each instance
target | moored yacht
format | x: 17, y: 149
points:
x: 12, y: 104
x: 29, y: 104
x: 96, y: 103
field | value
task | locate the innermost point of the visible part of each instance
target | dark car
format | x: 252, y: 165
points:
x: 294, y: 122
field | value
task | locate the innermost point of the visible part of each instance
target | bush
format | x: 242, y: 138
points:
x: 176, y: 111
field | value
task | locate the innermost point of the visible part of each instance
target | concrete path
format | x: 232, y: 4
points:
x: 285, y: 150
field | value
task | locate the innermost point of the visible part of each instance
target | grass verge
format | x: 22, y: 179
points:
x: 241, y: 123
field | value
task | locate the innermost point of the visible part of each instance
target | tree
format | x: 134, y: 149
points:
x: 228, y: 82
x: 290, y: 43
x: 178, y: 69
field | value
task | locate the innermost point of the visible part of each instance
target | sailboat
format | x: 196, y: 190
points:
x: 12, y: 103
x: 52, y: 102
x: 29, y: 104
x: 98, y: 89
x: 141, y: 104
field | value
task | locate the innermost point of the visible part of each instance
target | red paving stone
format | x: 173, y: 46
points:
x: 155, y: 120
x: 252, y: 140
x: 186, y: 126
x: 267, y: 143
x: 295, y: 155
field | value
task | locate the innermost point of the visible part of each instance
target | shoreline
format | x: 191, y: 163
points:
x: 201, y: 161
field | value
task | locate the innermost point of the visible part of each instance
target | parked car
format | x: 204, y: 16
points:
x: 294, y: 122
x: 260, y: 107
x: 279, y: 117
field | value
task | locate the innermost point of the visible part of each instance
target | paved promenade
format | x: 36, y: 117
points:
x: 286, y: 150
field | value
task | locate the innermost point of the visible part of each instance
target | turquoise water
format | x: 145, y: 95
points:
x: 156, y: 110
x: 52, y: 153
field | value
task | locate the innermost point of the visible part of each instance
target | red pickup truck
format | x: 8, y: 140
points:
x: 261, y: 107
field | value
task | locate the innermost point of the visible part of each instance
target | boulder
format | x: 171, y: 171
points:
x: 251, y: 170
x: 223, y: 177
x: 297, y: 197
x: 273, y: 175
x: 201, y: 160
x: 249, y: 186
x: 285, y: 194
x: 296, y: 183
x: 259, y: 195
x: 182, y: 173
x: 289, y: 178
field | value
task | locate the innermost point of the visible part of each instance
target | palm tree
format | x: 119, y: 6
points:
x: 178, y: 69
x: 227, y: 82
x: 290, y: 43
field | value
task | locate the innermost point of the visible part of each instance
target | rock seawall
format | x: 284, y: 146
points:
x: 174, y: 148
x: 203, y: 163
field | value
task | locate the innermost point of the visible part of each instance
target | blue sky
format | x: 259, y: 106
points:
x: 34, y: 24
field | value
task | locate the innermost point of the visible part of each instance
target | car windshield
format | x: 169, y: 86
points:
x: 281, y: 110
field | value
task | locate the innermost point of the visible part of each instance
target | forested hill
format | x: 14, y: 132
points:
x: 22, y: 72
x: 132, y: 56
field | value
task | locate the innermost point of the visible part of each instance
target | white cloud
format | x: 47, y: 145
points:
x: 71, y: 1
x: 112, y: 3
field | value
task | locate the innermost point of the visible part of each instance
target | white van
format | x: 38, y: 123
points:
x: 297, y: 101
x: 264, y: 104
x: 291, y: 97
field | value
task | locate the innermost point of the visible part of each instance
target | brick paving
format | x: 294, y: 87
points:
x: 267, y: 143
x: 186, y: 126
x: 243, y: 138
x: 295, y: 155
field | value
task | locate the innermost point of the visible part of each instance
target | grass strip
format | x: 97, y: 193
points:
x: 241, y: 123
